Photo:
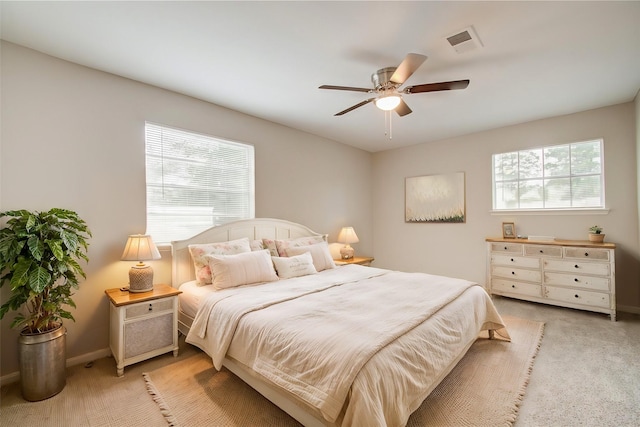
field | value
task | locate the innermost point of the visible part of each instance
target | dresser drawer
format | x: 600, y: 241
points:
x: 573, y: 296
x: 577, y: 267
x: 585, y: 282
x: 517, y: 274
x: 516, y: 261
x: 146, y: 308
x: 543, y: 250
x: 511, y: 248
x: 587, y: 253
x: 500, y: 286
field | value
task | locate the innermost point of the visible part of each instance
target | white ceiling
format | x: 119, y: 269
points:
x: 267, y: 59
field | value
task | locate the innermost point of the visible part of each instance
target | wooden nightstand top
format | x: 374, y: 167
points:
x: 362, y: 260
x: 118, y: 297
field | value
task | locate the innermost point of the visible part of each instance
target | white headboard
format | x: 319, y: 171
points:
x: 257, y: 228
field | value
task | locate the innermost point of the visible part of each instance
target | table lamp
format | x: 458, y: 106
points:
x: 140, y: 248
x: 347, y: 236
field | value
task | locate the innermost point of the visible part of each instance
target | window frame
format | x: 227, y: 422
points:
x: 571, y: 210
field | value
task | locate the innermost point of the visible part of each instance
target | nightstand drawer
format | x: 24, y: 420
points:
x: 145, y: 308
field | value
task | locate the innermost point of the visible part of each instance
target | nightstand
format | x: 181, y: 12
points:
x: 142, y: 325
x: 361, y: 260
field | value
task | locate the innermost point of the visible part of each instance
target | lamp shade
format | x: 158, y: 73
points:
x: 140, y: 248
x: 348, y: 235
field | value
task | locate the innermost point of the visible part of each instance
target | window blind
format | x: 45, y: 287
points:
x: 195, y: 182
x: 554, y: 177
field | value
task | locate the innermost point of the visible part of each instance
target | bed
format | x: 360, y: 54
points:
x: 330, y: 345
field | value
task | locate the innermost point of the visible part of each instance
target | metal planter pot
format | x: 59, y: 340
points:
x: 43, y: 359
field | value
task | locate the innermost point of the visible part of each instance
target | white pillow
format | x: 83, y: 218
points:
x: 320, y: 254
x: 201, y: 265
x: 299, y: 265
x: 241, y: 269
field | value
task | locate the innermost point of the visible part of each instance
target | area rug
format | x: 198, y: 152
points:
x: 484, y: 389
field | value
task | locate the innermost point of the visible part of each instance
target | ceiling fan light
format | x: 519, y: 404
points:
x: 388, y: 102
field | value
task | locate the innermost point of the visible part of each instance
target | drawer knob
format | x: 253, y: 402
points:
x: 576, y: 280
x: 150, y: 307
x: 513, y: 286
x: 513, y: 272
x: 505, y: 248
x: 577, y: 296
x: 541, y: 251
x: 576, y: 266
x: 586, y: 254
x: 511, y: 259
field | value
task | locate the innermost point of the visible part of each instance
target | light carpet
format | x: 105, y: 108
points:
x: 484, y: 389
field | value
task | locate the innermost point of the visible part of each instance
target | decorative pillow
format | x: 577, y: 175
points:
x: 283, y: 245
x: 201, y: 265
x: 320, y: 254
x: 299, y: 265
x: 271, y: 245
x: 241, y: 269
x: 257, y: 245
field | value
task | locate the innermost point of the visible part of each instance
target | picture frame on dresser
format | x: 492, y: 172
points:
x: 508, y: 230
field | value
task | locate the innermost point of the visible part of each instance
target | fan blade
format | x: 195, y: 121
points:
x: 408, y: 66
x: 354, y: 107
x: 355, y: 89
x: 434, y: 87
x: 403, y: 109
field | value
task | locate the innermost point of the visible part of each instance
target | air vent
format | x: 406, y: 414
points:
x: 464, y: 41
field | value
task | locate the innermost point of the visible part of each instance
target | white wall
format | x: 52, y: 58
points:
x: 459, y: 249
x: 73, y: 137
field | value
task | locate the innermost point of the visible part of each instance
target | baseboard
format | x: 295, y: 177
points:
x: 628, y: 309
x: 78, y: 360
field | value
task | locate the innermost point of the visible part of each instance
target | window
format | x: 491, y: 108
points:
x: 568, y: 176
x: 195, y: 182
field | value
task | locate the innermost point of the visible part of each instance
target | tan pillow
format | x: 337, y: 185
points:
x: 241, y: 269
x: 283, y: 245
x: 320, y: 254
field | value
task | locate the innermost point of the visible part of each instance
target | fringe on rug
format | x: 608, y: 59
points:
x: 155, y: 395
x: 523, y: 388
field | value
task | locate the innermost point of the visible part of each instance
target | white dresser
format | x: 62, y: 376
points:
x: 569, y: 273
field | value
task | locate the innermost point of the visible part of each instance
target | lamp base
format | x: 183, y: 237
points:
x: 140, y: 278
x: 346, y: 252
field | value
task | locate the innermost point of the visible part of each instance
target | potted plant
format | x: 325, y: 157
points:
x: 39, y: 254
x: 595, y: 234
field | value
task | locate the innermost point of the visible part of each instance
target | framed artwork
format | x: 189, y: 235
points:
x: 435, y: 198
x: 508, y: 230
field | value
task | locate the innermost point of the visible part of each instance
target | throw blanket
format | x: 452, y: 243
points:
x: 333, y: 324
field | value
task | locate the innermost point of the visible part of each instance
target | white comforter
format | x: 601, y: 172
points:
x: 335, y: 337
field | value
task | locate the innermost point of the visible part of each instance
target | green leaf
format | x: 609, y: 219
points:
x: 21, y: 273
x: 36, y: 247
x: 39, y: 279
x: 56, y: 248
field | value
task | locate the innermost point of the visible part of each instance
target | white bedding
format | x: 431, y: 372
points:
x: 412, y: 340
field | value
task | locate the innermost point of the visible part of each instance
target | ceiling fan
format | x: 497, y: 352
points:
x: 387, y: 82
